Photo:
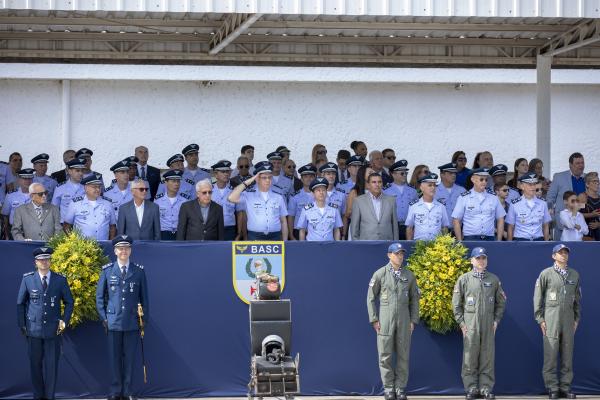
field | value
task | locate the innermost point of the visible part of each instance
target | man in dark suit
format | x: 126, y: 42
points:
x: 139, y: 218
x: 37, y: 220
x: 147, y: 172
x: 201, y: 218
x: 62, y: 175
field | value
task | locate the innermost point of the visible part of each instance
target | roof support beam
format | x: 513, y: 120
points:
x: 543, y: 124
x: 583, y: 34
x: 233, y: 26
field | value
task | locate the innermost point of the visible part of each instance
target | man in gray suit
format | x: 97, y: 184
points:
x: 37, y: 220
x: 574, y: 180
x: 374, y: 213
x: 139, y: 218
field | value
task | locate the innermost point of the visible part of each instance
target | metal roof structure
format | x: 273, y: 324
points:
x: 303, y: 32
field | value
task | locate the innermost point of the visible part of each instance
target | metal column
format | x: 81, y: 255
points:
x: 66, y: 114
x: 543, y: 134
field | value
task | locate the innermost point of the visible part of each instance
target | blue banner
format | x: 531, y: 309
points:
x: 197, y: 341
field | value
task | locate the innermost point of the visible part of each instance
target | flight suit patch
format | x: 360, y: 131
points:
x: 470, y: 301
x: 552, y: 296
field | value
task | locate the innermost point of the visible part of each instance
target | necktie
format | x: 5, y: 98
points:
x: 144, y: 173
x: 38, y: 211
x: 123, y: 271
x: 44, y: 283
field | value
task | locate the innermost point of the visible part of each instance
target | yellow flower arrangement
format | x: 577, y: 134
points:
x: 80, y: 260
x: 437, y: 264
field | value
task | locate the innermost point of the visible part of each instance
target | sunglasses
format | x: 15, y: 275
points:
x: 390, y: 157
x: 482, y: 179
x: 538, y: 190
x: 321, y: 151
x: 400, y: 172
x: 41, y: 193
x: 206, y: 192
x: 243, y: 166
x: 291, y: 167
x: 461, y: 159
x: 142, y: 189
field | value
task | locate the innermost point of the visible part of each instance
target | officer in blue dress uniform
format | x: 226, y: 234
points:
x: 86, y: 155
x: 426, y: 216
x: 335, y: 195
x: 91, y: 213
x: 41, y: 296
x: 65, y: 192
x: 478, y: 211
x: 17, y: 197
x: 192, y: 172
x: 121, y: 287
x: 403, y: 193
x: 498, y: 173
x: 221, y: 190
x: 448, y: 191
x: 528, y: 217
x: 187, y: 186
x: 352, y: 166
x: 40, y: 165
x: 266, y: 210
x: 281, y: 183
x: 301, y: 197
x: 169, y: 204
x: 319, y: 220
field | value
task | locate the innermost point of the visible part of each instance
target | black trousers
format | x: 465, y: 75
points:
x: 121, y: 355
x: 43, y: 365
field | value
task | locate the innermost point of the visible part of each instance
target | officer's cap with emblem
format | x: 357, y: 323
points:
x: 176, y: 174
x: 222, y: 166
x: 401, y: 165
x: 499, y: 169
x: 122, y: 240
x: 26, y: 173
x: 133, y: 160
x: 175, y: 158
x: 559, y: 247
x: 190, y: 148
x: 40, y: 158
x: 529, y: 178
x: 275, y: 155
x: 283, y: 149
x: 430, y: 177
x: 396, y: 248
x: 480, y: 171
x: 92, y: 179
x: 122, y: 165
x: 320, y: 181
x: 328, y: 167
x: 307, y: 169
x: 478, y: 252
x: 83, y: 152
x: 42, y: 253
x: 263, y: 167
x: 356, y: 160
x: 76, y: 163
x: 450, y: 167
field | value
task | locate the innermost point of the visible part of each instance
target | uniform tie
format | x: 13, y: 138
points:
x: 143, y: 173
x: 123, y: 271
x: 44, y: 283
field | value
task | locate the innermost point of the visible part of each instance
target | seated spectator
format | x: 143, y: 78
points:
x: 359, y: 148
x: 37, y: 220
x: 574, y: 226
x: 462, y: 172
x: 521, y: 167
x: 591, y: 211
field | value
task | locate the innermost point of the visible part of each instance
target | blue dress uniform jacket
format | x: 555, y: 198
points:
x: 39, y: 312
x: 64, y: 194
x: 117, y: 299
x: 404, y: 195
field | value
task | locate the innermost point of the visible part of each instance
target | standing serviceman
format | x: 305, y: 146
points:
x: 41, y: 297
x: 478, y: 303
x: 556, y: 308
x: 121, y: 287
x: 395, y: 289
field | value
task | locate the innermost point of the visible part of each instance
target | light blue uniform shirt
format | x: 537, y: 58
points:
x: 169, y: 213
x: 337, y: 197
x: 63, y: 195
x: 92, y: 220
x: 528, y: 221
x: 48, y: 182
x: 319, y: 227
x: 448, y: 196
x: 263, y: 216
x: 427, y: 223
x: 478, y: 213
x: 297, y: 202
x: 220, y: 196
x: 346, y: 186
x: 12, y: 201
x: 117, y: 198
x: 200, y: 173
x: 283, y: 185
x: 404, y: 195
x: 187, y: 187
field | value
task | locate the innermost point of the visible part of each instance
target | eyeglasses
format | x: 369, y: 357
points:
x: 402, y: 173
x: 206, y: 192
x: 321, y: 151
x: 538, y: 190
x: 482, y: 179
x: 390, y: 157
x: 243, y: 166
x: 142, y: 189
x: 462, y: 159
x: 41, y: 193
x: 291, y: 167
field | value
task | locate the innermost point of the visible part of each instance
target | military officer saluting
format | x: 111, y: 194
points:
x: 528, y: 217
x: 447, y: 191
x: 403, y: 193
x: 395, y: 289
x: 40, y: 165
x: 41, y: 296
x: 556, y: 307
x: 319, y: 220
x: 121, y: 287
x: 169, y: 204
x: 221, y: 190
x: 65, y: 192
x: 478, y: 213
x: 426, y: 216
x: 300, y: 198
x: 187, y: 185
x: 192, y: 172
x: 91, y: 213
x: 478, y: 303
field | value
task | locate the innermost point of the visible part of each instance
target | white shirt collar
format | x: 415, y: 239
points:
x: 47, y: 277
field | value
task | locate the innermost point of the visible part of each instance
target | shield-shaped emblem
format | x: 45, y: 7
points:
x: 252, y: 258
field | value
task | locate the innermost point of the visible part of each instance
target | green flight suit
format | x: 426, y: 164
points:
x: 556, y: 302
x: 477, y: 304
x: 398, y: 300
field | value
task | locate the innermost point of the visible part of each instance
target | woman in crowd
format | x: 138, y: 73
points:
x: 319, y: 155
x: 521, y: 167
x: 358, y: 189
x: 591, y: 212
x: 462, y: 172
x: 537, y: 166
x: 419, y: 171
x: 359, y: 148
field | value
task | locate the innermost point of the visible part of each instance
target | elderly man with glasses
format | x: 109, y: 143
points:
x: 139, y: 218
x: 36, y: 220
x: 201, y: 218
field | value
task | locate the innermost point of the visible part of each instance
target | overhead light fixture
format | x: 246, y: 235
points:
x: 103, y: 31
x: 284, y: 34
x: 392, y: 36
x: 267, y: 33
x: 67, y: 30
x: 29, y: 30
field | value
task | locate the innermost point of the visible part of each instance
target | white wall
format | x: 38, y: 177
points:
x: 424, y: 123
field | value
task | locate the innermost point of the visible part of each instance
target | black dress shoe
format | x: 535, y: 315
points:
x: 472, y: 394
x: 553, y: 395
x: 400, y: 395
x: 389, y: 396
x: 568, y: 395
